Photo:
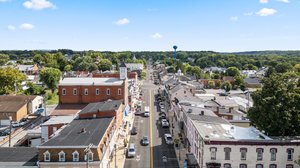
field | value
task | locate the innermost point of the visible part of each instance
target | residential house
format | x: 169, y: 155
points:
x: 135, y: 66
x: 28, y: 69
x: 253, y: 82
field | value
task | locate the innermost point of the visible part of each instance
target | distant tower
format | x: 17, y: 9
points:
x: 134, y: 58
x: 123, y: 71
x: 174, y: 47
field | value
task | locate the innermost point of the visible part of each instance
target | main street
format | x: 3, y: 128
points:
x: 151, y: 155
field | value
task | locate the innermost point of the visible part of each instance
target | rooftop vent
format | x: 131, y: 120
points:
x: 189, y: 111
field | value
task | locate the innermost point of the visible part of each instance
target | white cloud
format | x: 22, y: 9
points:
x: 26, y: 26
x: 11, y: 27
x: 263, y: 1
x: 266, y: 12
x: 156, y: 36
x: 284, y: 1
x: 38, y: 4
x: 248, y: 13
x: 234, y: 18
x: 123, y: 21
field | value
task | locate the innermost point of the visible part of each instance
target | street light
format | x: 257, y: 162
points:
x: 87, y: 150
x: 10, y: 120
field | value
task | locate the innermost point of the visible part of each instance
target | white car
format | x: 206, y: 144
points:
x: 164, y: 123
x: 168, y: 139
x: 146, y: 114
x: 131, y: 150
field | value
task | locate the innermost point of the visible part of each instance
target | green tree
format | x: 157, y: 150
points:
x: 238, y: 80
x: 4, y: 58
x: 226, y: 86
x: 211, y: 84
x: 276, y: 107
x: 50, y: 77
x: 38, y: 59
x: 33, y: 89
x: 105, y: 64
x: 298, y: 160
x: 297, y: 68
x: 215, y: 76
x: 283, y: 67
x: 232, y: 71
x: 10, y: 80
x: 68, y: 68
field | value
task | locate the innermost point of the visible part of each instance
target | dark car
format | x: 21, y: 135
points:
x: 5, y: 132
x: 134, y: 130
x: 223, y: 94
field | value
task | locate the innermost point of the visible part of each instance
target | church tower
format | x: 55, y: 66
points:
x: 123, y: 71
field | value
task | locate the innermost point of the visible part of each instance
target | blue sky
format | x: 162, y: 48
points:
x: 150, y: 25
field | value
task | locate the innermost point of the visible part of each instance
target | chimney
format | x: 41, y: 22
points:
x: 83, y: 130
x: 202, y: 112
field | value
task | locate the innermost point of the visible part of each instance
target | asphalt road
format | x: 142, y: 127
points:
x: 151, y: 155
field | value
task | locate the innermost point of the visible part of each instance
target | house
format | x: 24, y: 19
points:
x: 216, y: 143
x: 249, y: 73
x: 18, y: 107
x: 135, y: 66
x: 49, y: 127
x: 253, y: 82
x: 28, y: 69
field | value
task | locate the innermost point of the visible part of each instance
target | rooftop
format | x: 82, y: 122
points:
x: 67, y: 109
x: 191, y: 110
x: 102, y: 106
x: 25, y: 155
x: 58, y: 120
x: 225, y: 131
x: 13, y: 103
x: 72, y: 135
x: 90, y: 81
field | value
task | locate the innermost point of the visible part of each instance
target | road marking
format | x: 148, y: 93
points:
x: 138, y: 157
x: 151, y: 140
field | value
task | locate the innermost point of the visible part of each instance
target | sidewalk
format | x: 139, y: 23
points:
x: 175, y: 130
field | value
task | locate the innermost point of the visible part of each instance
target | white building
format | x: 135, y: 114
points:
x: 135, y: 66
x: 216, y: 143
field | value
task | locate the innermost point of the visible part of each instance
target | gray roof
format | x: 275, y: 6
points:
x: 253, y: 80
x: 86, y: 81
x: 122, y: 64
x: 72, y: 135
x: 102, y: 106
x: 25, y: 67
x: 18, y: 154
x: 208, y: 119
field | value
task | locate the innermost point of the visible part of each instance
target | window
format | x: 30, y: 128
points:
x: 75, y: 156
x: 97, y: 91
x: 227, y: 165
x: 227, y: 153
x: 259, y: 152
x: 86, y: 91
x: 273, y: 166
x: 243, y: 153
x: 61, y: 156
x: 289, y: 166
x: 119, y: 91
x: 74, y: 91
x: 243, y: 166
x: 89, y: 156
x: 46, y: 156
x: 108, y: 91
x: 259, y: 166
x: 273, y: 152
x: 213, y: 153
x: 290, y: 152
x: 64, y: 91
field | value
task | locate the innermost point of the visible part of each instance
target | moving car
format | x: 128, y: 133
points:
x: 134, y: 130
x: 168, y: 139
x: 131, y: 150
x: 147, y: 111
x: 165, y: 123
x: 145, y: 140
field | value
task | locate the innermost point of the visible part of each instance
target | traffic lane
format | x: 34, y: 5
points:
x: 160, y: 148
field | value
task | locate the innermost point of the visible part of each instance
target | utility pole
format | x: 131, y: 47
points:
x: 87, y: 150
x: 115, y: 155
x: 10, y: 120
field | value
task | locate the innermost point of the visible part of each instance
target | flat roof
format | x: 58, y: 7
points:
x: 72, y: 134
x: 229, y: 132
x: 198, y: 110
x: 67, y: 109
x: 59, y: 120
x: 87, y: 81
x: 102, y: 106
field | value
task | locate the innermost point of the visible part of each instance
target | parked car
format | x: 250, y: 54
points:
x: 162, y: 117
x: 40, y: 111
x: 5, y: 132
x: 145, y: 140
x: 131, y: 150
x: 15, y: 124
x: 134, y: 130
x: 168, y: 139
x: 139, y: 103
x: 165, y: 123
